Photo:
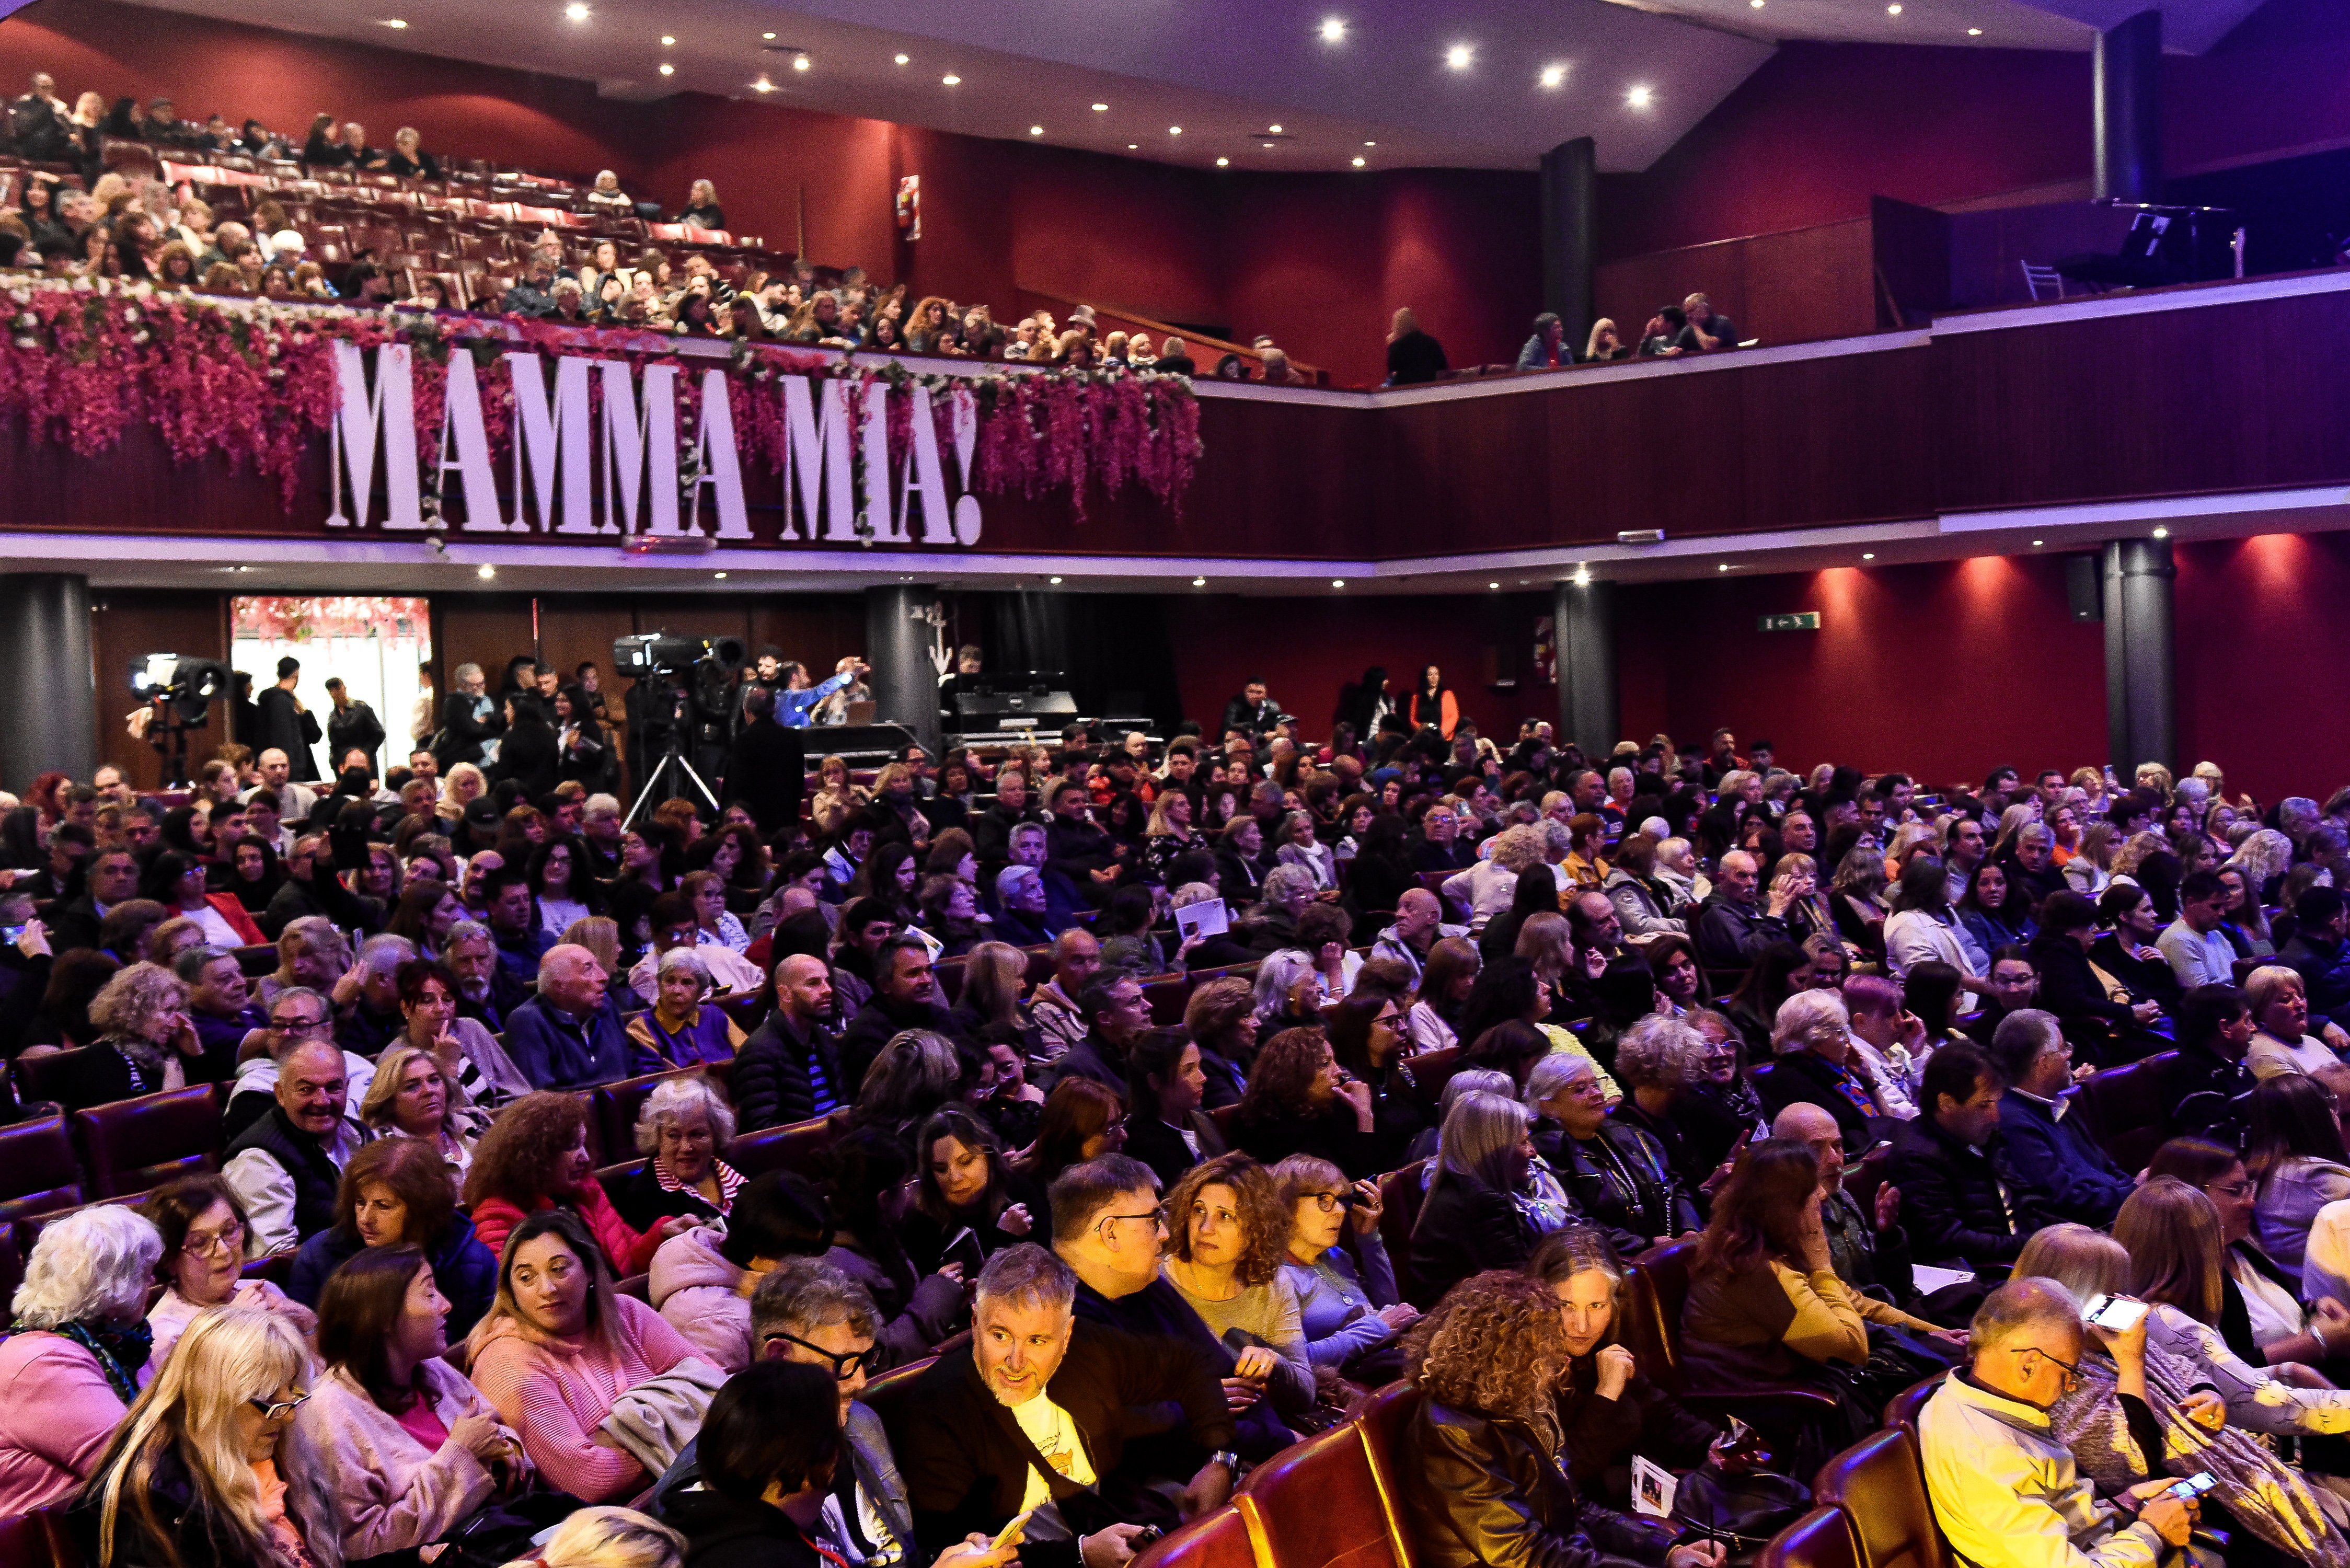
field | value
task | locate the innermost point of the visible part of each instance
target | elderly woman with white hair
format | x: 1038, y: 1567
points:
x: 1618, y: 1175
x: 1489, y: 887
x: 683, y: 1129
x: 1472, y: 1219
x: 682, y: 1028
x: 1813, y: 1064
x: 70, y: 1368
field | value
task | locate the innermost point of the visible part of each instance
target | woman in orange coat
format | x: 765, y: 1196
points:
x: 1431, y: 703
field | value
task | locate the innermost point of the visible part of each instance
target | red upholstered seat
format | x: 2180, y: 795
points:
x: 1655, y: 1290
x: 618, y: 1105
x: 1167, y: 996
x: 1382, y: 1418
x: 1901, y: 1410
x: 2127, y: 1109
x: 1881, y: 1487
x: 133, y: 1145
x: 48, y: 1075
x: 38, y: 1539
x: 1217, y: 1540
x: 39, y: 1172
x: 1400, y: 1192
x: 1821, y: 1539
x: 797, y: 1148
x: 1320, y: 1504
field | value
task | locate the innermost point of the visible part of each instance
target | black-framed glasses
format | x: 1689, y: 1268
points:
x: 279, y: 1409
x: 843, y: 1366
x: 1157, y: 1216
x: 2072, y: 1371
x: 1331, y: 1202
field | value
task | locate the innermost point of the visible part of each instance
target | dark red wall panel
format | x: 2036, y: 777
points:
x: 2264, y: 652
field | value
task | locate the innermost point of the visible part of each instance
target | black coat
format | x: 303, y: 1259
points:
x: 461, y: 734
x: 1806, y: 1077
x: 768, y: 772
x: 353, y: 728
x: 198, y: 1538
x: 1162, y: 1148
x: 771, y: 1083
x: 530, y: 757
x: 1957, y: 1201
x: 966, y: 1462
x: 1464, y: 1228
x: 294, y: 732
x: 1479, y: 1491
x: 875, y: 1023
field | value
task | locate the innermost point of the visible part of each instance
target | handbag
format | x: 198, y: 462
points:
x: 1743, y: 1512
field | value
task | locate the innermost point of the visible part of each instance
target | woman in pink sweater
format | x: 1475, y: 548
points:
x: 72, y: 1369
x: 534, y: 1159
x: 560, y: 1346
x: 408, y: 1448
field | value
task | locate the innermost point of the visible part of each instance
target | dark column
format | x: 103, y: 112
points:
x: 898, y: 644
x: 2141, y: 697
x: 1570, y: 180
x: 51, y: 698
x: 1584, y: 622
x: 2125, y: 64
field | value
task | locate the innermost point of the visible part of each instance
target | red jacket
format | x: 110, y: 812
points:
x: 229, y: 910
x: 627, y: 1250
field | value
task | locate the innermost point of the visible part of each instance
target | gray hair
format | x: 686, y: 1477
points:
x: 1554, y: 1072
x: 600, y: 805
x: 287, y: 1046
x: 1192, y: 893
x: 2020, y: 1038
x: 191, y: 964
x: 1480, y: 1131
x: 2018, y: 1307
x: 801, y: 1293
x: 465, y: 931
x: 466, y: 671
x: 1801, y: 1013
x: 1660, y: 1051
x: 672, y: 1097
x: 1474, y: 1081
x: 687, y: 959
x: 1026, y: 1275
x: 1276, y: 973
x: 384, y: 954
x: 1285, y: 880
x: 94, y: 1264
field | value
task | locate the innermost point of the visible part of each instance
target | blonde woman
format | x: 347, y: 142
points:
x: 201, y: 1460
x: 411, y: 1097
x: 835, y: 796
x: 1489, y: 887
x: 1809, y: 912
x: 463, y: 784
x: 2088, y: 871
x: 609, y: 1538
x: 702, y: 210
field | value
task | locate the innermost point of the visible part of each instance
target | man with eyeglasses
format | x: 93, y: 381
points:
x: 2049, y: 1151
x: 1054, y: 1412
x: 2002, y: 1484
x: 1108, y: 1226
x: 1441, y: 846
x: 296, y: 1013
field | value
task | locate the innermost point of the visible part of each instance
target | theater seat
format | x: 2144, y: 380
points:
x: 1040, y: 965
x: 38, y: 1539
x: 1383, y: 1417
x: 1821, y: 1539
x: 12, y: 1274
x: 2127, y: 1109
x: 37, y: 1169
x: 1400, y: 1192
x: 887, y: 1392
x: 1168, y: 995
x: 616, y: 1105
x: 1319, y: 1504
x: 1427, y: 1074
x: 1881, y: 1487
x: 48, y: 1075
x: 798, y: 1147
x: 133, y: 1145
x: 1216, y: 1540
x: 1655, y: 1290
x: 1901, y: 1410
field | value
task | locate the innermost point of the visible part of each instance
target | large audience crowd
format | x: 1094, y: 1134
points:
x: 1131, y: 1198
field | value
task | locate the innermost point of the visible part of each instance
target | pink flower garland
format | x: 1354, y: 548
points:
x: 254, y: 382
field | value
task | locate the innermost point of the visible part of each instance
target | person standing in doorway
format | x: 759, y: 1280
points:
x: 286, y: 725
x: 352, y: 727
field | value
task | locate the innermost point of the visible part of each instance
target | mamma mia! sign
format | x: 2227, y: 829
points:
x: 614, y: 465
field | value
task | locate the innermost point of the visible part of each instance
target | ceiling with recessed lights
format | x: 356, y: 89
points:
x: 1309, y: 85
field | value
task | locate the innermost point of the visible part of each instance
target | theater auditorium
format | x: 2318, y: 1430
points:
x: 890, y: 784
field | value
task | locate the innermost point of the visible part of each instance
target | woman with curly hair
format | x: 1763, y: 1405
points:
x: 534, y: 1157
x: 683, y: 1129
x: 1300, y: 1101
x: 1481, y: 1462
x: 1228, y: 1235
x: 148, y: 1044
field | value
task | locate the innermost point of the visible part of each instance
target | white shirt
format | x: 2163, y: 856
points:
x: 728, y: 969
x: 1054, y: 1433
x: 218, y: 932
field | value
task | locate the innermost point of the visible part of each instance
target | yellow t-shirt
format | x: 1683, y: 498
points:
x: 1054, y: 1433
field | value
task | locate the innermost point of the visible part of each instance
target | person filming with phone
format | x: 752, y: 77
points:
x: 2003, y: 1486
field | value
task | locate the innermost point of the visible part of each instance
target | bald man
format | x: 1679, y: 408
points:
x: 1868, y: 1254
x: 1419, y: 926
x: 286, y: 1166
x: 789, y: 1071
x: 569, y: 1035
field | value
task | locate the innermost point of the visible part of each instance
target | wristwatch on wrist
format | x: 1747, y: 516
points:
x: 1229, y: 1460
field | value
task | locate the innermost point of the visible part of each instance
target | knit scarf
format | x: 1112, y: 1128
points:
x: 121, y: 1352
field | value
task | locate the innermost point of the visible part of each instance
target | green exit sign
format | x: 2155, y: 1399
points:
x: 1802, y: 621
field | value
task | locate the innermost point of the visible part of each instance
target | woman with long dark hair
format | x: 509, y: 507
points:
x: 962, y: 1183
x: 1432, y: 703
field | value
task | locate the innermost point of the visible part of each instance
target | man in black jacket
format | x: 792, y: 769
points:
x: 1960, y: 1200
x: 1252, y: 713
x: 352, y: 726
x: 1045, y: 1413
x: 109, y: 878
x: 905, y: 996
x: 767, y: 769
x: 287, y: 724
x: 467, y: 719
x: 285, y: 1167
x: 789, y: 1071
x: 1116, y: 1015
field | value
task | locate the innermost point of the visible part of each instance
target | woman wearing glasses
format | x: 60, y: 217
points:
x: 561, y: 1346
x: 204, y: 1234
x: 72, y: 1362
x: 1347, y: 1298
x: 198, y: 1473
x: 410, y: 1449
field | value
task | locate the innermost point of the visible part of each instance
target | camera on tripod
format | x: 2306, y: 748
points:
x: 699, y: 670
x: 179, y: 692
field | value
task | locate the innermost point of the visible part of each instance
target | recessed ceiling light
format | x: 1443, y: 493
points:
x: 1224, y: 162
x: 1273, y: 130
x: 1333, y: 30
x: 763, y: 84
x: 1036, y: 131
x: 1101, y: 108
x: 1554, y: 75
x: 1640, y: 97
x: 2162, y: 533
x: 1756, y: 4
x: 1370, y: 144
x: 720, y: 576
x: 1337, y: 582
x: 799, y: 62
x: 486, y: 571
x: 1894, y: 10
x: 1051, y: 579
x: 1358, y: 163
x: 2037, y: 542
x: 1133, y: 146
x: 575, y: 12
x: 667, y: 40
x: 1174, y: 130
x: 397, y: 24
x: 1198, y: 582
x: 952, y: 80
x: 1723, y: 567
x: 1268, y: 147
x: 1493, y: 585
x: 1974, y: 31
x: 1458, y: 56
x: 667, y: 69
x: 1868, y: 555
x: 1582, y: 576
x: 903, y: 59
x: 769, y: 36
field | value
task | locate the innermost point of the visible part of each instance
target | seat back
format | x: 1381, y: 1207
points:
x: 37, y: 1169
x: 12, y: 1274
x: 798, y: 1147
x: 1383, y: 1417
x: 1167, y: 996
x: 38, y: 1539
x: 1317, y: 1504
x: 133, y: 1145
x: 1881, y: 1487
x: 885, y: 1394
x: 1821, y: 1539
x: 2042, y: 282
x: 1400, y: 1197
x: 1901, y: 1410
x: 616, y: 1105
x: 1428, y: 1073
x: 49, y: 1076
x: 1656, y: 1289
x: 1220, y: 1539
x: 2126, y: 1108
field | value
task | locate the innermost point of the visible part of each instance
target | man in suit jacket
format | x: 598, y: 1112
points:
x: 286, y: 725
x: 2048, y: 1149
x: 1959, y: 1195
x: 1039, y: 1414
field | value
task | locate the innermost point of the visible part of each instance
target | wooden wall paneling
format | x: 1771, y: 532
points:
x: 128, y: 622
x: 1910, y: 246
x: 1837, y: 441
x: 1986, y: 246
x: 1630, y: 290
x: 1653, y: 453
x: 486, y: 629
x: 1807, y: 285
x: 818, y: 630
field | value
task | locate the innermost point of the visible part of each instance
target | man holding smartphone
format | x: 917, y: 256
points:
x: 2002, y: 1484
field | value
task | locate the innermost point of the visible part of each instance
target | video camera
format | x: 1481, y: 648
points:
x: 189, y: 686
x: 699, y: 670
